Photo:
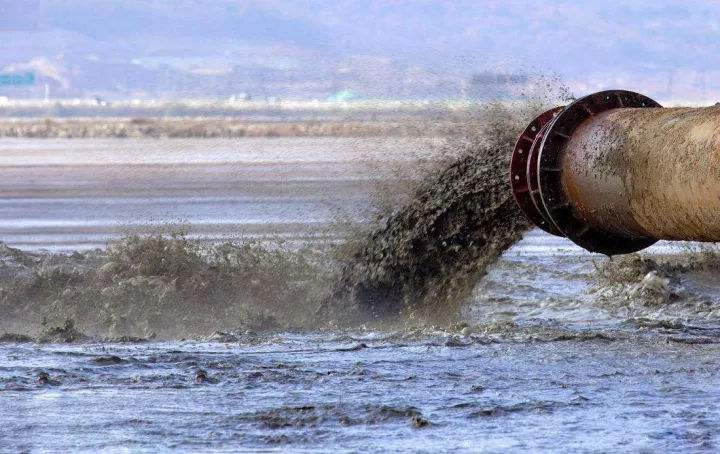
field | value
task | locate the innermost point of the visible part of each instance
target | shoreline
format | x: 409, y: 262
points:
x: 86, y: 128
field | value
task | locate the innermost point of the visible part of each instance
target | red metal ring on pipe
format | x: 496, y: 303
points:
x: 522, y: 176
x: 541, y: 195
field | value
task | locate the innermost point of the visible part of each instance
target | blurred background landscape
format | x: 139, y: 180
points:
x: 236, y: 53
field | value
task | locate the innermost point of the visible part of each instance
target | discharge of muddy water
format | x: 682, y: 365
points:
x: 427, y: 257
x: 166, y: 343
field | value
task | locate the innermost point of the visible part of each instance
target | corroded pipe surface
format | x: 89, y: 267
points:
x: 648, y: 172
x: 615, y: 173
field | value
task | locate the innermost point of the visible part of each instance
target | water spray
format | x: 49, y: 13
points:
x: 615, y: 172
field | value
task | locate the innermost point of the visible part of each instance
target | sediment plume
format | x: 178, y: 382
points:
x: 419, y: 262
x: 424, y: 259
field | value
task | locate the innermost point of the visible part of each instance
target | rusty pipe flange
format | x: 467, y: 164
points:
x: 523, y: 179
x: 555, y: 204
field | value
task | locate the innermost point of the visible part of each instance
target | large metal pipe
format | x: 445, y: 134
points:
x: 614, y: 172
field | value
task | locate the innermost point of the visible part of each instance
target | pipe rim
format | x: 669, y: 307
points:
x: 555, y: 204
x: 521, y: 176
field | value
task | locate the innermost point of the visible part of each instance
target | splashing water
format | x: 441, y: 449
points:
x: 424, y: 259
x: 420, y: 263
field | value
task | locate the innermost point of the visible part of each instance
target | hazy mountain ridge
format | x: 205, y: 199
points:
x: 374, y: 48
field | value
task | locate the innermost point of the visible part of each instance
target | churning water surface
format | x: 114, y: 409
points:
x: 553, y: 358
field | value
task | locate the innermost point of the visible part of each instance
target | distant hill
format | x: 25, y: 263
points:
x: 376, y: 49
